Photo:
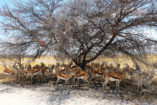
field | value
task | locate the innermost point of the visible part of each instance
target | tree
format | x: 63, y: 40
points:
x: 107, y: 26
x: 30, y: 26
x: 81, y: 29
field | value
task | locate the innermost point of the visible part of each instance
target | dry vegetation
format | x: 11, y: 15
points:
x: 152, y: 59
x: 123, y: 60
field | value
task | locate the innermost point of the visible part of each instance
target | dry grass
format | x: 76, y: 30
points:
x: 46, y: 59
x: 123, y: 60
x: 152, y: 58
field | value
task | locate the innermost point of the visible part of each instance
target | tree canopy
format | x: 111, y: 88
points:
x: 81, y: 30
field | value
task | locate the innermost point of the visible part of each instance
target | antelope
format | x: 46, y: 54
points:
x: 109, y: 67
x: 114, y: 76
x: 67, y: 75
x: 80, y: 74
x: 129, y: 70
x: 31, y: 72
x: 45, y: 72
x: 142, y: 79
x: 65, y: 68
x: 61, y: 69
x: 63, y: 76
x: 8, y: 72
x: 97, y: 73
x: 54, y: 70
x: 51, y: 68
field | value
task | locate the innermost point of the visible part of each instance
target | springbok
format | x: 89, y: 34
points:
x: 115, y: 76
x: 143, y: 78
x: 31, y: 72
x: 80, y: 74
x: 98, y: 73
x: 69, y: 72
x: 63, y: 76
x: 8, y: 72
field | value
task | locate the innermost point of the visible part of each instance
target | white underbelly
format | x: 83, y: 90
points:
x: 81, y: 77
x: 62, y: 78
x: 37, y: 73
x: 98, y: 75
x: 113, y: 79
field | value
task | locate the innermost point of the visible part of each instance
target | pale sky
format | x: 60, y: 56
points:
x: 9, y: 2
x: 152, y: 32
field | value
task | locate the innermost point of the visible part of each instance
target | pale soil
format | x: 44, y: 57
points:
x: 63, y: 95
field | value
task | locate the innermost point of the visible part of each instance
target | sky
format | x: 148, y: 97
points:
x: 10, y: 3
x: 2, y: 3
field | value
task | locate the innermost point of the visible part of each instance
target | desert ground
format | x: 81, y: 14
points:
x: 49, y: 94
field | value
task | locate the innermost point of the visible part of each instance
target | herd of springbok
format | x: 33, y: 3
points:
x: 92, y: 71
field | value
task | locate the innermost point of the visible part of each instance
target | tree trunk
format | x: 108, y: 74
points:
x: 81, y: 64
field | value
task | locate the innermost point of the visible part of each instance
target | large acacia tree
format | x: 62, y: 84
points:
x: 81, y: 30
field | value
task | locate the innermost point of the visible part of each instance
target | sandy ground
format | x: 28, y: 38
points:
x: 52, y: 95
